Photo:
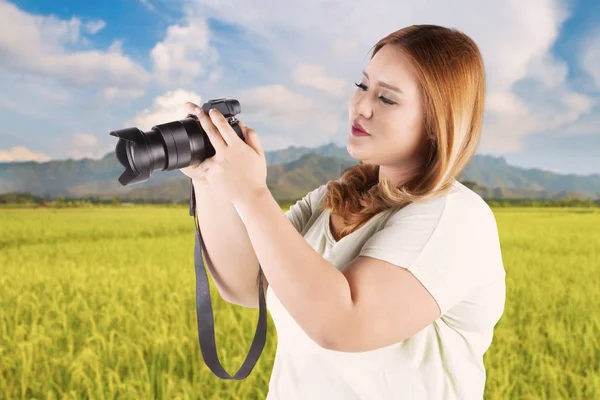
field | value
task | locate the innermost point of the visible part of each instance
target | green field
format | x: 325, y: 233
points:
x: 100, y: 303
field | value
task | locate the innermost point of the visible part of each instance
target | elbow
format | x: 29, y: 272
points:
x: 327, y: 342
x: 334, y: 338
x: 342, y: 343
x: 339, y: 330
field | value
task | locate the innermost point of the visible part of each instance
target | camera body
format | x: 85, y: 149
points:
x: 169, y: 146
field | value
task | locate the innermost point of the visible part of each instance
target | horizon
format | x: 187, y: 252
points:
x: 495, y: 157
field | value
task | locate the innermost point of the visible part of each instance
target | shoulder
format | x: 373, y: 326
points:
x: 319, y: 192
x: 463, y: 232
x: 459, y: 224
x: 460, y: 207
x: 468, y: 209
x: 316, y: 196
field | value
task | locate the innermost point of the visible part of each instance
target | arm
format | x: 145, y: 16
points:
x: 311, y: 289
x: 371, y: 304
x: 228, y: 246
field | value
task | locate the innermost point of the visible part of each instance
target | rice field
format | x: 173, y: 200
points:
x: 99, y: 303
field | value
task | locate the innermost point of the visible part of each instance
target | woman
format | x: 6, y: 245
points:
x: 423, y: 280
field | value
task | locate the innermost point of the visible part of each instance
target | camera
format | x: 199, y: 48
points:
x: 169, y: 146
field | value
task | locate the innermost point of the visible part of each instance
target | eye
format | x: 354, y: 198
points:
x: 386, y: 100
x: 383, y: 99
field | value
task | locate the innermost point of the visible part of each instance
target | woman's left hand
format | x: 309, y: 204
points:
x: 238, y: 169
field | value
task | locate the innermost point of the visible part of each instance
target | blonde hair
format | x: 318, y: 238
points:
x: 451, y: 78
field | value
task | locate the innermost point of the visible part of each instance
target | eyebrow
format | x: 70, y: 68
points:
x: 385, y: 85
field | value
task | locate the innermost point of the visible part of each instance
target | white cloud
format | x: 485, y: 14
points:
x: 590, y: 57
x: 587, y: 125
x: 184, y: 54
x: 275, y: 142
x: 115, y: 47
x: 505, y: 103
x: 509, y: 121
x: 37, y: 45
x: 84, y: 140
x: 313, y: 75
x: 94, y: 27
x: 148, y: 5
x: 345, y: 47
x: 165, y: 108
x: 20, y: 153
x: 33, y: 96
x: 85, y: 145
x: 111, y: 93
x: 548, y: 70
x: 216, y: 75
x: 285, y: 112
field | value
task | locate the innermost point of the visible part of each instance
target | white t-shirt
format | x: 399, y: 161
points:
x: 451, y: 245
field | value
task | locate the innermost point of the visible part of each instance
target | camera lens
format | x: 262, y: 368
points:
x: 130, y: 156
x: 165, y: 147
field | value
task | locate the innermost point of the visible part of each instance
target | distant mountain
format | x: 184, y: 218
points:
x: 494, y: 172
x: 287, y: 182
x: 293, y: 153
x: 292, y: 173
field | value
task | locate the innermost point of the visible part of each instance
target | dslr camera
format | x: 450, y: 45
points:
x: 169, y: 146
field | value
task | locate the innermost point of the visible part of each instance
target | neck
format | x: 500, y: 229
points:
x: 397, y: 175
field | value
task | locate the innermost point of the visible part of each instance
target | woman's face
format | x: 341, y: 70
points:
x: 395, y: 129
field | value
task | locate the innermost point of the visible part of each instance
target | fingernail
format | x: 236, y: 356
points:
x: 198, y: 110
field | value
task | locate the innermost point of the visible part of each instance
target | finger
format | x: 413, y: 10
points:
x: 211, y: 130
x: 190, y: 107
x: 256, y: 144
x: 227, y: 132
x: 251, y: 137
x: 244, y: 130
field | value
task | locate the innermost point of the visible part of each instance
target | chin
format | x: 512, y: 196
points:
x: 357, y: 155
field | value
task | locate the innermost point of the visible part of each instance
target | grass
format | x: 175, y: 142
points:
x: 100, y: 303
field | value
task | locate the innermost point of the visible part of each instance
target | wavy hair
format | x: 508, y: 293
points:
x: 451, y: 78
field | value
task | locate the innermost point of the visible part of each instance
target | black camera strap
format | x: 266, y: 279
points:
x: 204, y: 312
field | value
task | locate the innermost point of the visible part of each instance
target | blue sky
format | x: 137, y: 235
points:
x: 72, y: 71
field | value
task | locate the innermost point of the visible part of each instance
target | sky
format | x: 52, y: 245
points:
x: 72, y: 71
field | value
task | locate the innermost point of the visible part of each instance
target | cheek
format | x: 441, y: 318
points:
x: 405, y: 131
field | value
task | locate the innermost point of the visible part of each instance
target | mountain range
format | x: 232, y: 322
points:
x: 291, y: 173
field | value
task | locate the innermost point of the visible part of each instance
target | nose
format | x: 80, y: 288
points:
x: 361, y: 105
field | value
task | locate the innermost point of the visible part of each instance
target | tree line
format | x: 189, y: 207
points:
x: 29, y: 200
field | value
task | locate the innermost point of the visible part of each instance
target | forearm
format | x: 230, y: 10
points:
x: 234, y: 268
x: 312, y: 290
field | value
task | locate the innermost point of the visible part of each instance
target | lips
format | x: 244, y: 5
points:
x: 359, y: 128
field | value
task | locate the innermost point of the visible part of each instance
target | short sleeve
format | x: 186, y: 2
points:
x: 449, y: 244
x: 300, y: 213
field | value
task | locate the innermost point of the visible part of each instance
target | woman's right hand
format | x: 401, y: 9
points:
x: 195, y: 171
